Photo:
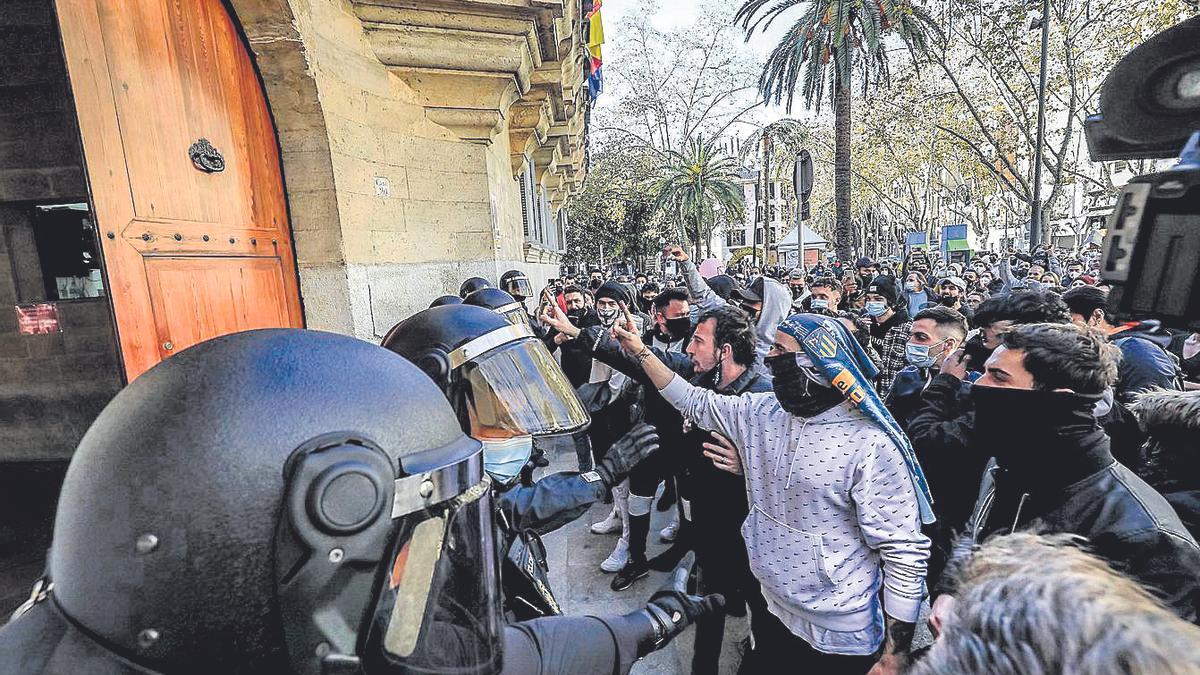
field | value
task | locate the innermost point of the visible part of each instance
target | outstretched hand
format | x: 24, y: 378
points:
x: 675, y: 253
x: 673, y: 609
x: 554, y: 317
x: 625, y: 332
x: 629, y: 451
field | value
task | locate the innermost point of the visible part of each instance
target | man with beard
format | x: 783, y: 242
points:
x: 950, y: 294
x: 1053, y: 469
x: 577, y: 364
x: 834, y: 510
x: 670, y: 334
x: 766, y: 301
x: 712, y: 497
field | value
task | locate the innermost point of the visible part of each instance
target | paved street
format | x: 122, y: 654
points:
x: 575, y: 555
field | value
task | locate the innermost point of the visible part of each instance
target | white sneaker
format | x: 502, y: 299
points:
x: 667, y: 534
x: 617, y: 560
x: 609, y: 525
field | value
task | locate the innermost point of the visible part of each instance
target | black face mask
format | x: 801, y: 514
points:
x: 595, y: 283
x: 796, y: 391
x: 1025, y: 429
x: 948, y: 300
x: 677, y: 329
x: 576, y: 315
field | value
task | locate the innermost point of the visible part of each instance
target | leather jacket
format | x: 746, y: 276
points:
x: 1088, y: 493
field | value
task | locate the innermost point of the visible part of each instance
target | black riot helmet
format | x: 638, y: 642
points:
x: 275, y: 501
x: 498, y: 376
x: 446, y: 300
x: 499, y: 302
x: 471, y: 285
x: 516, y: 284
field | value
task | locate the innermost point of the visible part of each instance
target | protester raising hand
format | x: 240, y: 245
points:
x: 625, y: 332
x: 675, y: 253
x: 553, y: 316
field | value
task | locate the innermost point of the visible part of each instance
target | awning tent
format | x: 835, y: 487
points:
x: 791, y: 240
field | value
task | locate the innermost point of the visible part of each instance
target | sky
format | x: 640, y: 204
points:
x: 675, y: 14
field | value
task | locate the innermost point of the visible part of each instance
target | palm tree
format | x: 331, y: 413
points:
x: 697, y: 185
x: 821, y: 51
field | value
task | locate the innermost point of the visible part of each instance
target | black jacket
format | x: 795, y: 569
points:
x: 1078, y: 488
x: 576, y: 363
x: 940, y: 431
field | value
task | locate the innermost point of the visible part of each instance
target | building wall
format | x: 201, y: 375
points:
x: 399, y: 159
x: 51, y: 386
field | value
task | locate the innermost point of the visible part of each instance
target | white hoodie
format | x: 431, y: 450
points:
x: 833, y: 515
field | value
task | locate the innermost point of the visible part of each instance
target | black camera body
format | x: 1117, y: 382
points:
x: 1150, y: 107
x: 1152, y: 250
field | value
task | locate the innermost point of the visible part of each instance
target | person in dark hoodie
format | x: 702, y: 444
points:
x: 1053, y: 470
x: 890, y: 324
x: 1172, y: 419
x: 670, y: 334
x: 712, y: 499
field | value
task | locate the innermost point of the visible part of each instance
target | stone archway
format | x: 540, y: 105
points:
x: 308, y: 173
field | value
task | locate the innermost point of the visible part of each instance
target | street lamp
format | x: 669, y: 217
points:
x: 1035, y: 217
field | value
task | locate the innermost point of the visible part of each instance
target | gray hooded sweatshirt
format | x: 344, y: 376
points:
x: 777, y: 306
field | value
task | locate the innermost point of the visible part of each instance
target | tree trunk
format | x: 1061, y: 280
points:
x: 843, y: 234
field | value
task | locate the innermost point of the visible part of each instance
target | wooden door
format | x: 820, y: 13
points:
x: 184, y: 172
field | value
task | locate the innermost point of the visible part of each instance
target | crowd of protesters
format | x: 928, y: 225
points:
x: 849, y: 449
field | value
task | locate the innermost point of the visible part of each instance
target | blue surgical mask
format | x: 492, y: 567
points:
x: 876, y: 307
x: 819, y: 303
x: 919, y: 356
x: 910, y: 286
x: 504, y: 459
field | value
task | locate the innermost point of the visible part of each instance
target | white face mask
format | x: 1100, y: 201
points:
x: 608, y: 317
x: 504, y: 459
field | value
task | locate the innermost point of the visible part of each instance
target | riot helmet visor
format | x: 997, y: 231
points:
x: 437, y: 610
x: 517, y: 389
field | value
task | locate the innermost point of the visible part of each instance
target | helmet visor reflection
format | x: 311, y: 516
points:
x: 519, y: 286
x: 437, y: 611
x: 518, y: 389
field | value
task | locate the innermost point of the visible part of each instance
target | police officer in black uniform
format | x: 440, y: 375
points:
x: 287, y: 501
x: 507, y: 389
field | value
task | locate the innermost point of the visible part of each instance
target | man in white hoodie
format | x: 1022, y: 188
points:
x: 834, y: 530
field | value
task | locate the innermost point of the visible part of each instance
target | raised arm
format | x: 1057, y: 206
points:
x: 708, y: 409
x: 696, y: 285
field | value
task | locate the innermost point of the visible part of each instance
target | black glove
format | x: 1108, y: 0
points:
x: 671, y: 609
x: 626, y: 453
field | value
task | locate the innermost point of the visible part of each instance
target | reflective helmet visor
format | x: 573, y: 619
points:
x: 516, y: 388
x: 519, y: 287
x: 437, y: 610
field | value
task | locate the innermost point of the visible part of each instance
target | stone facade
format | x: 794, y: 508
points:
x: 405, y: 128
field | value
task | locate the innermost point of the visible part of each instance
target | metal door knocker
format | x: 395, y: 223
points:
x: 205, y: 157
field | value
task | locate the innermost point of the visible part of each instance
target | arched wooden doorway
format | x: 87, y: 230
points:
x: 184, y: 173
